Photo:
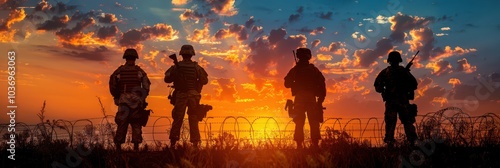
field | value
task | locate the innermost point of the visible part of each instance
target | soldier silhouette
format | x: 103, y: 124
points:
x: 396, y: 84
x: 308, y: 86
x: 188, y: 78
x: 129, y: 86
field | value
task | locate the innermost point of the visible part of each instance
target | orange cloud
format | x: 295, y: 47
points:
x: 401, y: 23
x: 235, y: 54
x: 464, y: 66
x: 454, y: 82
x: 440, y: 100
x: 226, y: 89
x: 448, y: 52
x: 179, y: 2
x: 15, y: 15
x: 201, y: 36
x: 439, y: 67
x: 223, y: 7
x: 6, y: 33
x: 323, y: 57
x: 234, y: 30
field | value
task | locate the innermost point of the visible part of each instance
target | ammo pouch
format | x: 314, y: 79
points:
x: 201, y: 111
x: 412, y: 109
x: 141, y: 117
x: 172, y: 97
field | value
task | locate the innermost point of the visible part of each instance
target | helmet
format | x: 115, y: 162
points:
x: 130, y: 53
x: 395, y: 57
x: 187, y: 50
x: 304, y: 53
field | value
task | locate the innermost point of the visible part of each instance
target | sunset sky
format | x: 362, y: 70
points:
x: 66, y: 50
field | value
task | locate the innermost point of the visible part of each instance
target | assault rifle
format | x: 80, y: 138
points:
x: 408, y: 66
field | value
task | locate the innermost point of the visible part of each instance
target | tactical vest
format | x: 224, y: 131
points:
x: 188, y: 76
x: 397, y: 81
x: 129, y: 78
x: 305, y: 78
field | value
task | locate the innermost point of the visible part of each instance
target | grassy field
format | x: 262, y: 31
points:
x: 338, y: 152
x: 455, y: 140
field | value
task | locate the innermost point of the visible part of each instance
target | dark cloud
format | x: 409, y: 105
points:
x: 234, y: 30
x: 100, y: 53
x: 131, y: 38
x: 425, y: 44
x: 334, y: 46
x: 249, y: 23
x: 55, y: 23
x: 11, y: 4
x: 326, y: 16
x: 79, y: 16
x: 272, y: 56
x: 402, y: 23
x: 107, y: 32
x: 368, y: 57
x: 315, y: 43
x: 59, y: 8
x: 191, y: 15
x: 445, y: 18
x: 494, y: 77
x: 66, y: 35
x: 276, y: 35
x: 300, y: 10
x: 317, y: 30
x: 294, y: 17
x: 471, y: 25
x: 108, y: 18
x: 159, y: 31
x: 441, y: 67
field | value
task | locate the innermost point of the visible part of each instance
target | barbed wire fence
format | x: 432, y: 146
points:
x: 450, y: 124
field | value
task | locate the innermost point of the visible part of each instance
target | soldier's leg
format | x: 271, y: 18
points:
x: 136, y: 134
x: 408, y: 119
x: 178, y: 116
x: 390, y: 117
x: 194, y: 131
x: 122, y: 125
x: 299, y: 121
x: 314, y: 126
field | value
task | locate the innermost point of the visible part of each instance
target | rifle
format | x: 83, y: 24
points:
x: 294, y: 56
x: 408, y: 66
x: 174, y: 57
x: 173, y: 92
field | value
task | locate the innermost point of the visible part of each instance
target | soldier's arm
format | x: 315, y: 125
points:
x: 289, y: 78
x: 379, y: 86
x: 146, y: 83
x: 170, y: 75
x: 412, y: 81
x: 113, y: 83
x: 321, y: 86
x: 203, y: 75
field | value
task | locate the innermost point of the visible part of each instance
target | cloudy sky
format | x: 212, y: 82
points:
x: 66, y: 50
